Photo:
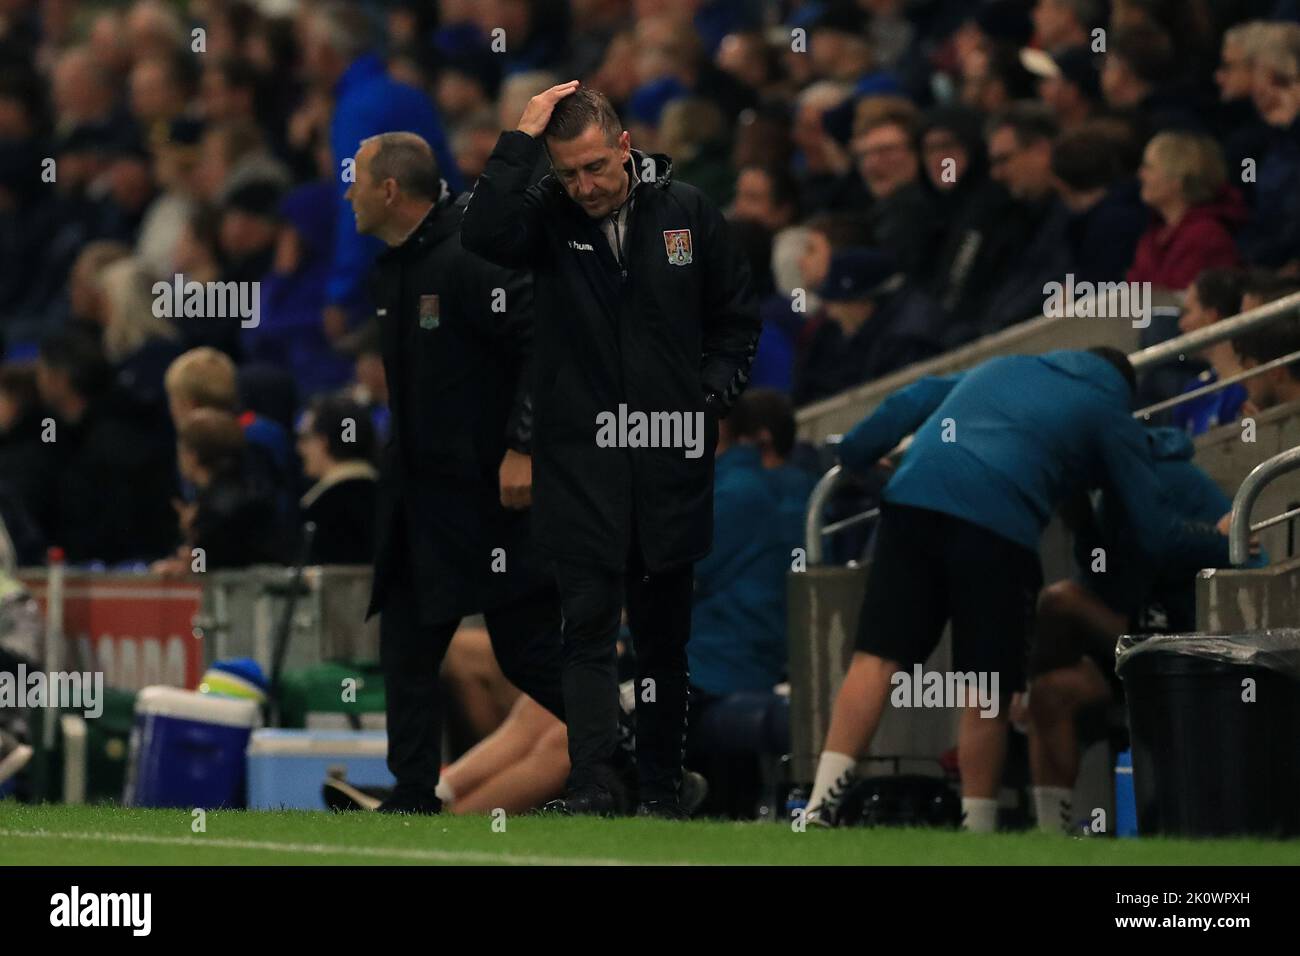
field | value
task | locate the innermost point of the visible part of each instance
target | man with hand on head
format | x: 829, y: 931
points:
x: 644, y: 308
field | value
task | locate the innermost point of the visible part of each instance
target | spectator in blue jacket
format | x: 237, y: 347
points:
x: 367, y: 102
x: 1122, y: 588
x: 995, y: 451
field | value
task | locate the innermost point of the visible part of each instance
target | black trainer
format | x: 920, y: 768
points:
x: 585, y: 801
x: 689, y: 797
x: 410, y: 800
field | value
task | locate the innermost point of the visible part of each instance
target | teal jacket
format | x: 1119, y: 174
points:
x: 1003, y: 444
x: 738, y: 616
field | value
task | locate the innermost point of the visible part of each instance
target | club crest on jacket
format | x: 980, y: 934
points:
x: 678, y: 244
x: 428, y: 311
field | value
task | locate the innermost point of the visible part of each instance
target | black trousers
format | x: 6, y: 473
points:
x: 659, y: 616
x: 525, y: 639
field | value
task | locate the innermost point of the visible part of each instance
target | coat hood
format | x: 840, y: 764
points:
x: 1170, y: 444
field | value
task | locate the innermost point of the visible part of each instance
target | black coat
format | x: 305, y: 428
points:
x: 458, y: 393
x: 655, y: 336
x: 343, y: 508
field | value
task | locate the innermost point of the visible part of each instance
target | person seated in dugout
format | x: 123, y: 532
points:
x: 995, y: 451
x: 1122, y: 588
x: 738, y: 650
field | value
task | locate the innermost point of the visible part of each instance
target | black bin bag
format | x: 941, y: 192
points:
x: 1215, y: 725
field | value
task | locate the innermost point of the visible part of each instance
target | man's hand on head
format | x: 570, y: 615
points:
x: 538, y: 112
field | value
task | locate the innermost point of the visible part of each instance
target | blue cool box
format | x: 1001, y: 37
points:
x: 187, y: 749
x: 1126, y: 821
x: 287, y: 767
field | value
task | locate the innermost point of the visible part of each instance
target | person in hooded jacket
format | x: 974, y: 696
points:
x: 995, y: 451
x: 644, y: 306
x: 1072, y: 660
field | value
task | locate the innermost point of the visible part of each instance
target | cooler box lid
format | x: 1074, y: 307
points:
x: 160, y: 701
x: 272, y: 742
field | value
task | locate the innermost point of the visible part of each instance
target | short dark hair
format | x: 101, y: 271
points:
x: 1146, y: 49
x: 329, y: 414
x: 842, y: 229
x: 1081, y: 162
x: 409, y: 160
x: 785, y: 189
x: 573, y: 114
x: 1271, y: 341
x: 215, y: 437
x: 81, y: 357
x: 767, y: 409
x: 19, y: 383
x: 1120, y: 361
x: 1030, y: 120
x: 1268, y: 285
x: 1221, y: 290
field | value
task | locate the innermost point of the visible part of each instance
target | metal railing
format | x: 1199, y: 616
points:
x: 1240, y: 529
x: 1174, y: 349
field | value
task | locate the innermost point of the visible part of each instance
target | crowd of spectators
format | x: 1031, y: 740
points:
x: 904, y: 175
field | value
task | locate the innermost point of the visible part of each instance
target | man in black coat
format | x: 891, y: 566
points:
x: 455, y: 476
x: 646, y: 330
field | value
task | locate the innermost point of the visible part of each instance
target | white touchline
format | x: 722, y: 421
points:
x: 445, y: 856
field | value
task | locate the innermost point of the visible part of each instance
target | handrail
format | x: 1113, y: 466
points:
x: 1218, y: 332
x: 1217, y: 386
x: 812, y: 522
x: 1261, y: 475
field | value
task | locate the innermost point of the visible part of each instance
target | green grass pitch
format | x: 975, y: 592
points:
x: 90, y: 836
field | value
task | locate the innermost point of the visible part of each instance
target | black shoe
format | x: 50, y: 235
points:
x: 690, y: 795
x: 406, y: 800
x: 586, y: 802
x: 341, y: 796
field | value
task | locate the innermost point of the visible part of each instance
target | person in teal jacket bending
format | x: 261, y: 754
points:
x: 995, y: 451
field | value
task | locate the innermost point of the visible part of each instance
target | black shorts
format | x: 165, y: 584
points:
x: 929, y: 568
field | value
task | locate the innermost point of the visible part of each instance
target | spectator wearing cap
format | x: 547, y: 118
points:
x: 1106, y: 215
x: 289, y: 335
x: 336, y: 442
x: 876, y: 322
x: 1020, y: 158
x: 337, y: 57
x: 1194, y: 212
x: 902, y: 216
x: 1069, y: 82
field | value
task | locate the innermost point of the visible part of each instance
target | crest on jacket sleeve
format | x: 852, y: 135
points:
x: 677, y: 242
x: 429, y: 312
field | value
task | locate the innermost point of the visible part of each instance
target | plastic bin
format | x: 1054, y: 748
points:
x: 286, y: 768
x: 1214, y: 720
x: 187, y: 749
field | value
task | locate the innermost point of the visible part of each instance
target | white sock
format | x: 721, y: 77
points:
x: 1052, y: 806
x: 832, y: 768
x: 979, y: 814
x: 444, y: 792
